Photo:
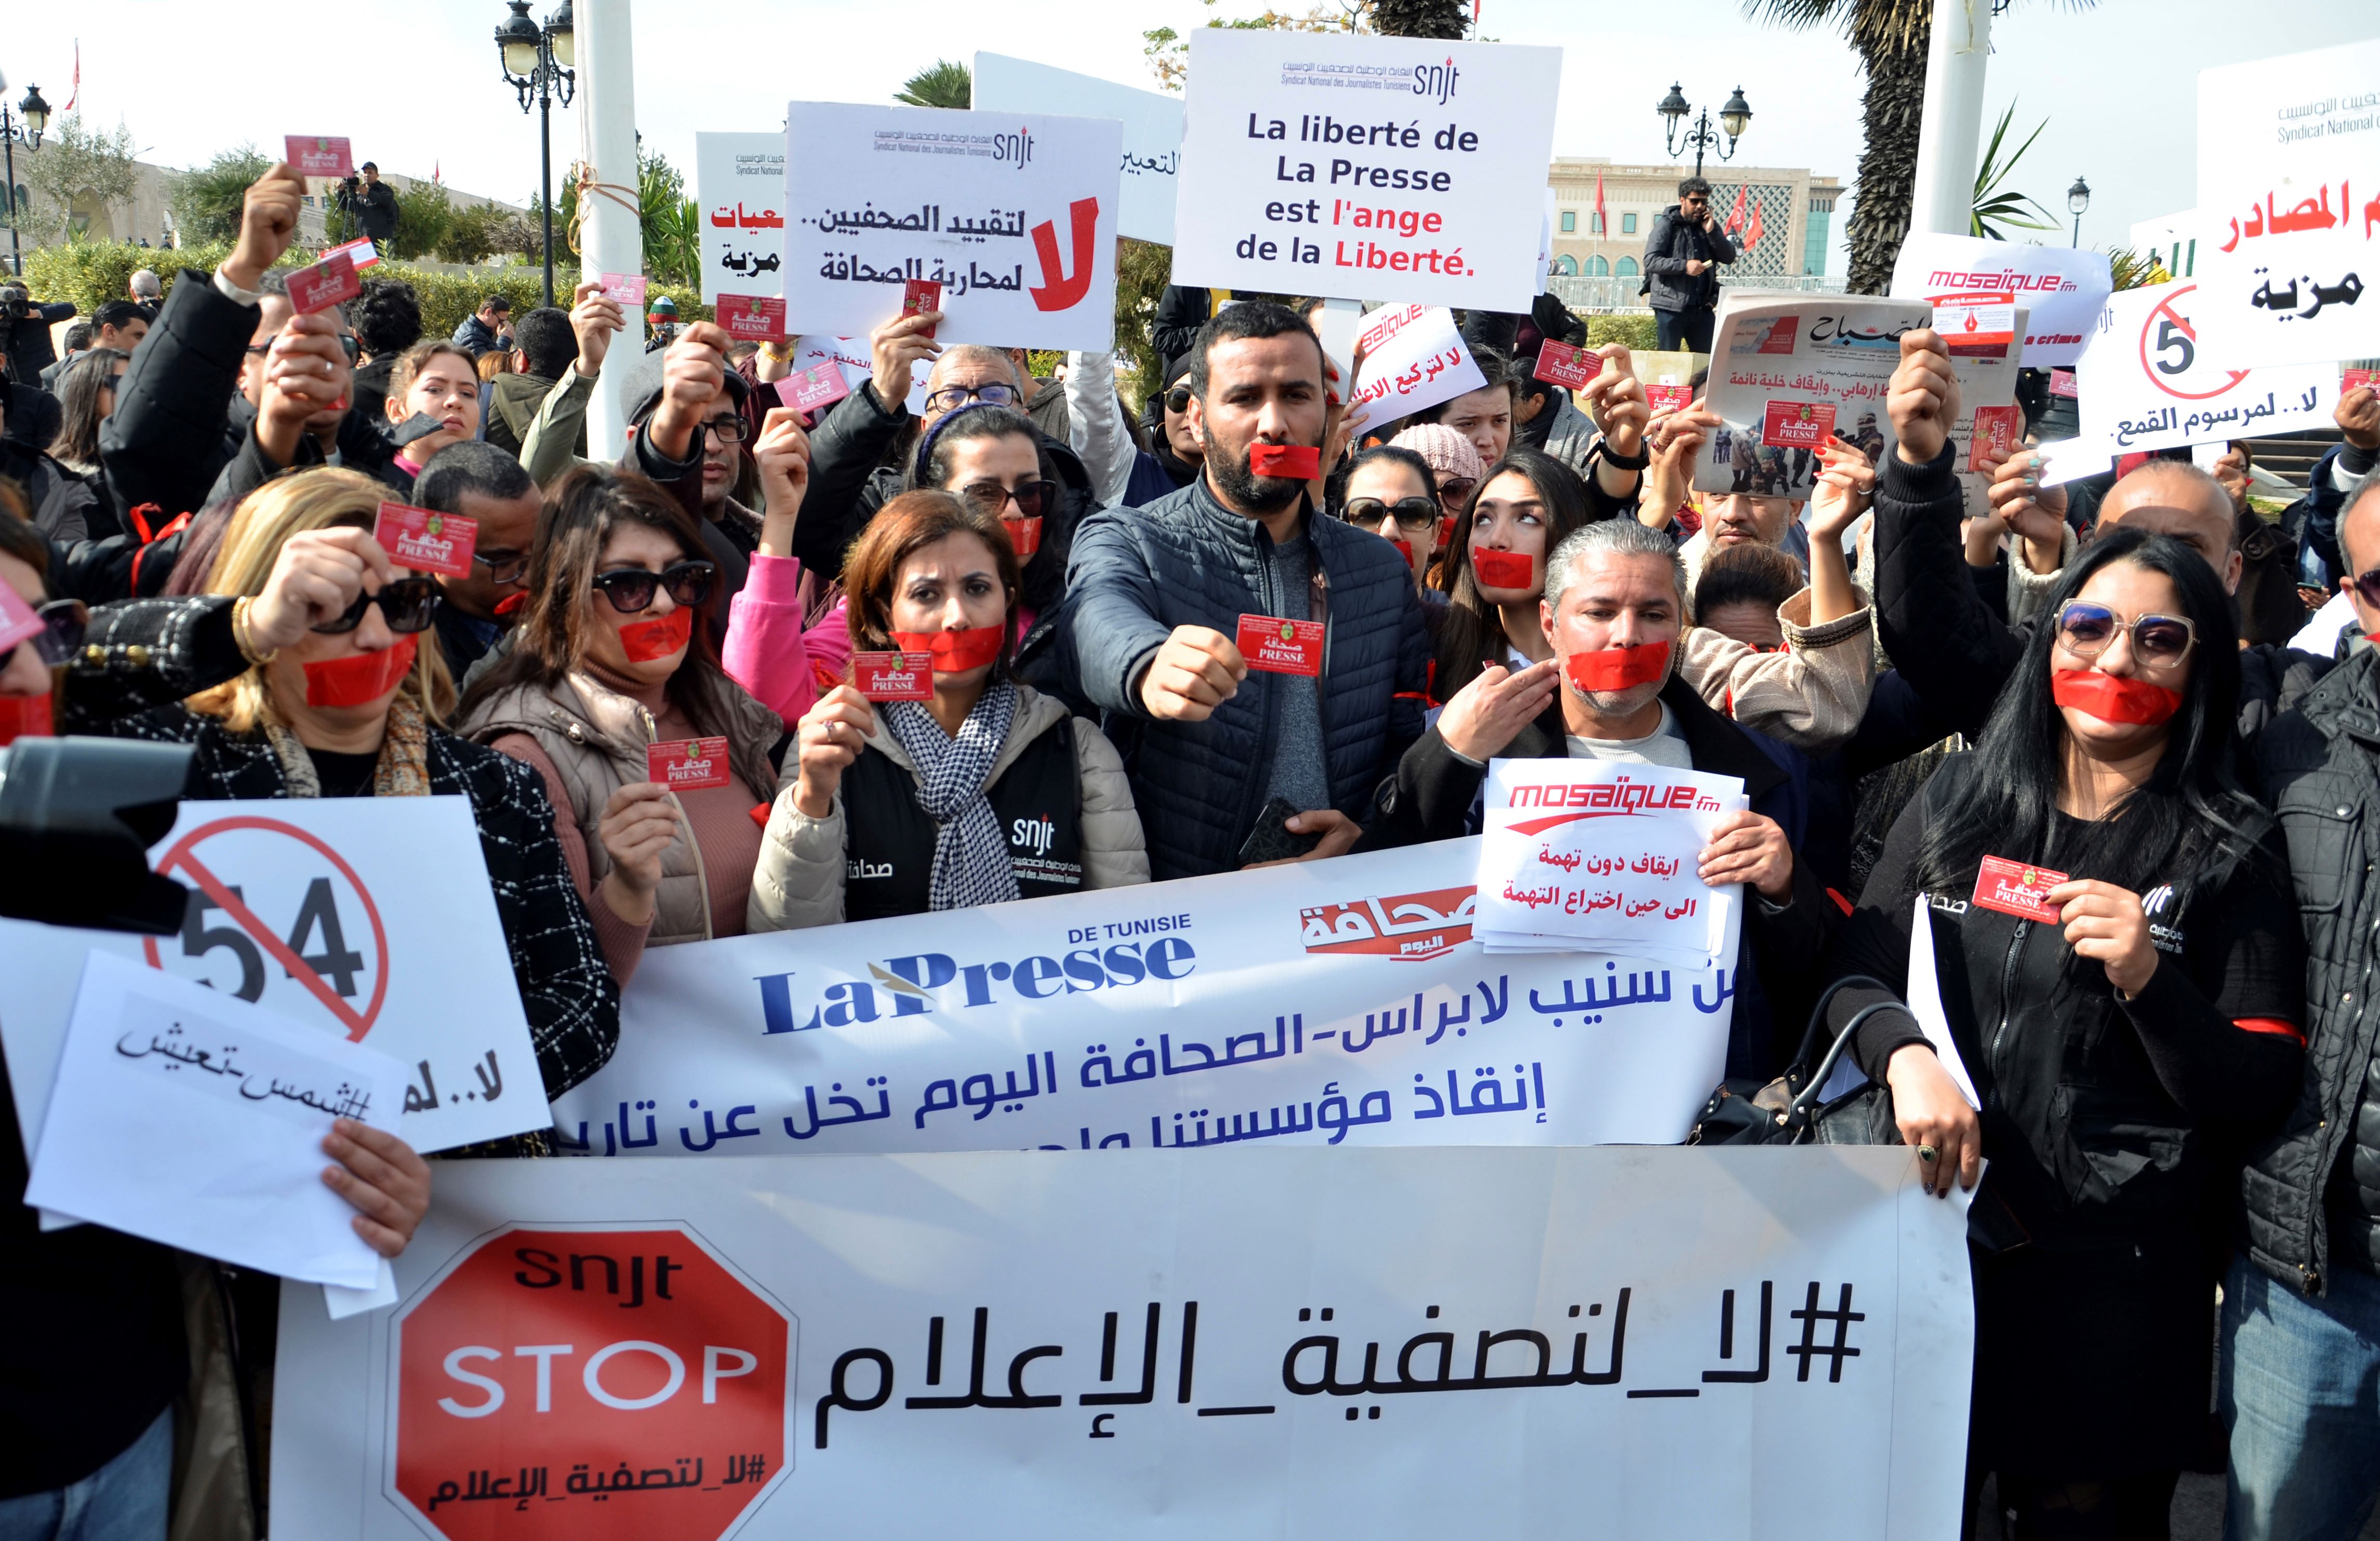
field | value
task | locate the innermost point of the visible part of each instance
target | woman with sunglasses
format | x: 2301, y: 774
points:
x: 987, y: 791
x: 2120, y: 969
x: 1388, y: 490
x: 991, y: 457
x: 606, y: 663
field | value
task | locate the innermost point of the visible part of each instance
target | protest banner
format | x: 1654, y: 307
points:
x: 1393, y: 1343
x: 2282, y: 145
x: 1015, y: 219
x: 1342, y: 1003
x: 1151, y: 163
x: 1344, y: 166
x: 2147, y: 383
x: 851, y: 356
x: 370, y: 918
x: 2060, y: 287
x: 739, y: 185
x: 1414, y: 357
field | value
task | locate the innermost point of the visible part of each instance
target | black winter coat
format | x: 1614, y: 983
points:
x: 1674, y: 240
x: 172, y: 431
x: 1188, y: 560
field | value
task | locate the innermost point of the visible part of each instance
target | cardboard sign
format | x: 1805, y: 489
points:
x: 687, y: 764
x: 1977, y: 326
x: 1024, y: 534
x: 1670, y: 398
x: 894, y: 676
x: 1339, y: 164
x: 1998, y: 429
x: 2151, y: 381
x: 1797, y: 424
x: 919, y: 296
x: 2059, y: 288
x: 1152, y: 131
x: 329, y: 282
x: 628, y: 288
x: 1279, y: 646
x: 759, y: 316
x: 1566, y: 365
x: 2351, y: 380
x: 820, y: 385
x: 425, y: 541
x: 311, y: 155
x: 1414, y: 358
x: 739, y: 183
x: 2018, y: 889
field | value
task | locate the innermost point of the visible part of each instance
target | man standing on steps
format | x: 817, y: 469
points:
x: 1681, y: 259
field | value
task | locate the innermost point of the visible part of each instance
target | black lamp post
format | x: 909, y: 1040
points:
x: 536, y: 64
x: 2078, y: 199
x: 1734, y: 118
x: 36, y: 119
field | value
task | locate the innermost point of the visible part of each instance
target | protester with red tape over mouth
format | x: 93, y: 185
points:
x: 989, y: 792
x: 2121, y: 1047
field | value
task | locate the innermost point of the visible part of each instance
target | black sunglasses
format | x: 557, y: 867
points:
x: 63, y: 624
x: 1033, y: 499
x: 1452, y: 494
x: 408, y: 604
x: 2368, y: 585
x: 2160, y: 641
x: 1411, y: 513
x: 1177, y: 400
x: 630, y: 590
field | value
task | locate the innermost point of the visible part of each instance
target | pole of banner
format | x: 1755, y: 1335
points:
x: 1951, y: 131
x: 610, y: 239
x: 1341, y: 318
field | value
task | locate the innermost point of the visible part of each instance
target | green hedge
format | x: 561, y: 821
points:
x: 92, y: 273
x: 1639, y: 333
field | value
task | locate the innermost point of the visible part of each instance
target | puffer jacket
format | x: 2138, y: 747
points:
x: 805, y: 862
x: 2320, y: 767
x: 1674, y: 240
x: 1188, y: 560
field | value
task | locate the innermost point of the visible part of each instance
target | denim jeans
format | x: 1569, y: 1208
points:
x: 2302, y: 1398
x: 123, y: 1500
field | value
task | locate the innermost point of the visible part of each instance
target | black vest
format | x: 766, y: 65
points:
x: 889, y: 841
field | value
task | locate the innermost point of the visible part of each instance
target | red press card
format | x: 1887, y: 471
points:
x: 427, y: 541
x: 1279, y: 646
x: 1670, y: 398
x: 919, y: 296
x: 2014, y: 888
x: 312, y: 155
x: 330, y: 281
x: 759, y: 316
x: 628, y: 288
x: 687, y: 764
x: 894, y: 676
x: 1567, y: 365
x: 2350, y: 379
x: 1996, y: 431
x: 1797, y: 424
x: 820, y: 386
x: 2061, y: 383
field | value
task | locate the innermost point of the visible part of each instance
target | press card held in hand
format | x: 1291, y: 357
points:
x: 330, y: 281
x: 1278, y: 647
x: 1567, y: 365
x: 425, y: 540
x: 687, y: 764
x: 894, y: 676
x: 2018, y: 888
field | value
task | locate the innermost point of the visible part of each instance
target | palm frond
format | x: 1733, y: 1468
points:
x: 945, y: 84
x: 1990, y: 208
x: 1791, y: 13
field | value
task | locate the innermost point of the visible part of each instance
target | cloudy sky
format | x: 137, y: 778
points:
x: 416, y: 84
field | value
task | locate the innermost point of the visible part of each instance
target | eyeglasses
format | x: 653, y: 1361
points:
x: 729, y: 428
x: 2368, y: 585
x: 503, y: 572
x: 347, y: 344
x: 2159, y: 641
x: 1033, y: 499
x: 1454, y: 494
x: 1177, y: 400
x: 1411, y: 514
x: 408, y: 604
x: 1694, y: 198
x: 630, y: 590
x: 63, y: 624
x: 950, y: 398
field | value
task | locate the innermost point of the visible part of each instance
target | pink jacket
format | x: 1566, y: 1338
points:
x: 769, y: 652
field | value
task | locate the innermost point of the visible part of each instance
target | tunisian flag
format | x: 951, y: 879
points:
x: 1735, y: 215
x: 1602, y: 224
x: 1751, y: 229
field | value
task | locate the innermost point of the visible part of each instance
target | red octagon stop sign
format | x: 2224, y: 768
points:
x: 590, y: 1383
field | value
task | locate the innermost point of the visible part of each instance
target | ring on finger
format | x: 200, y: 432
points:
x: 1928, y: 1154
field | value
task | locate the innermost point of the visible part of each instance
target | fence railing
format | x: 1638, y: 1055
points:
x: 1600, y: 294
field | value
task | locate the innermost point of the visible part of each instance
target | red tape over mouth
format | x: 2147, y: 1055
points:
x: 360, y: 679
x: 647, y: 640
x: 1617, y: 668
x: 1405, y: 549
x: 25, y: 717
x: 954, y: 651
x: 1514, y: 570
x: 2114, y: 698
x: 1294, y: 462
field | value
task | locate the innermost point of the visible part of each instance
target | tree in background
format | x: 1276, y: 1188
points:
x: 424, y: 215
x: 206, y: 201
x: 1168, y: 51
x: 668, y: 220
x: 1449, y: 20
x: 945, y: 84
x: 1993, y: 207
x: 77, y: 165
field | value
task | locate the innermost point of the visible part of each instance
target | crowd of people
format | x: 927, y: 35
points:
x: 2178, y: 1075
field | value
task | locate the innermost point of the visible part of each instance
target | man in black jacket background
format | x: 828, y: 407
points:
x: 1681, y: 259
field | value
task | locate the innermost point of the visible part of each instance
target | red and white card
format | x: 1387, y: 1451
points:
x: 1998, y: 429
x: 2061, y: 383
x: 425, y: 540
x: 627, y: 288
x: 1566, y: 365
x: 894, y: 676
x: 1279, y: 646
x: 313, y: 155
x: 2349, y: 379
x: 330, y: 281
x: 1798, y: 424
x: 687, y: 764
x: 2017, y: 888
x: 919, y: 296
x: 1670, y: 398
x: 820, y: 386
x: 1976, y: 325
x: 759, y: 316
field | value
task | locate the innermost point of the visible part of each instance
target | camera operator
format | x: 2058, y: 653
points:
x: 25, y: 327
x: 373, y: 204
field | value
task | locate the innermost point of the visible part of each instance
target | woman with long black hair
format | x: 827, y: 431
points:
x: 2120, y: 972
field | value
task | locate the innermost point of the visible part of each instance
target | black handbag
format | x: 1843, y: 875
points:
x: 1787, y: 1110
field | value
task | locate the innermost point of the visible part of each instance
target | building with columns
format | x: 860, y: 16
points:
x: 1796, y: 208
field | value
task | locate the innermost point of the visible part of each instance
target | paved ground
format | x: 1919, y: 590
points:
x: 2197, y: 1512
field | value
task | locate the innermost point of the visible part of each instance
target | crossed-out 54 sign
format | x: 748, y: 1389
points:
x: 2151, y: 379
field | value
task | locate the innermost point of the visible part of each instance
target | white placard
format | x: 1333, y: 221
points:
x: 2065, y: 460
x: 1414, y: 358
x: 2061, y: 288
x: 1354, y: 166
x: 2289, y: 204
x: 1014, y: 218
x: 191, y: 1118
x: 1151, y: 162
x: 2149, y: 383
x: 739, y: 182
x: 370, y: 918
x: 1407, y: 1345
x: 857, y: 363
x: 1341, y: 1002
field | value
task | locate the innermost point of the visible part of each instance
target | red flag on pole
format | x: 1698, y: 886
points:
x: 1735, y: 215
x: 1751, y: 229
x: 1602, y: 224
x: 73, y: 95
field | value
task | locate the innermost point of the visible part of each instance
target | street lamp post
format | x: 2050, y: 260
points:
x: 2078, y: 199
x: 36, y: 116
x: 536, y: 64
x: 1734, y: 117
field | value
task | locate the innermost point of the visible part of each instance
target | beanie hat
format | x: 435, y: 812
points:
x: 1442, y: 449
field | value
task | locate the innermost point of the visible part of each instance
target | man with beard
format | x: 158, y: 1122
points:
x: 1614, y: 608
x: 1160, y: 597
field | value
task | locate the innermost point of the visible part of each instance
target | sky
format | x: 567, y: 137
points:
x: 416, y: 85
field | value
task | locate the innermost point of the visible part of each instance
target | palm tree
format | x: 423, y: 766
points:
x: 1890, y: 37
x: 947, y: 84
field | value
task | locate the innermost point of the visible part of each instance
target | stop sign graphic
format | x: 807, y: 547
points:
x: 589, y: 1382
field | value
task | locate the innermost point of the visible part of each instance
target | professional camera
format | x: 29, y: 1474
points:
x: 13, y: 307
x: 76, y: 818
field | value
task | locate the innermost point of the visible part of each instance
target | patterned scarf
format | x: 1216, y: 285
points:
x: 971, y: 864
x: 403, y: 770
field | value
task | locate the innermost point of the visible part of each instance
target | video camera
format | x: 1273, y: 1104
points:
x: 76, y: 818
